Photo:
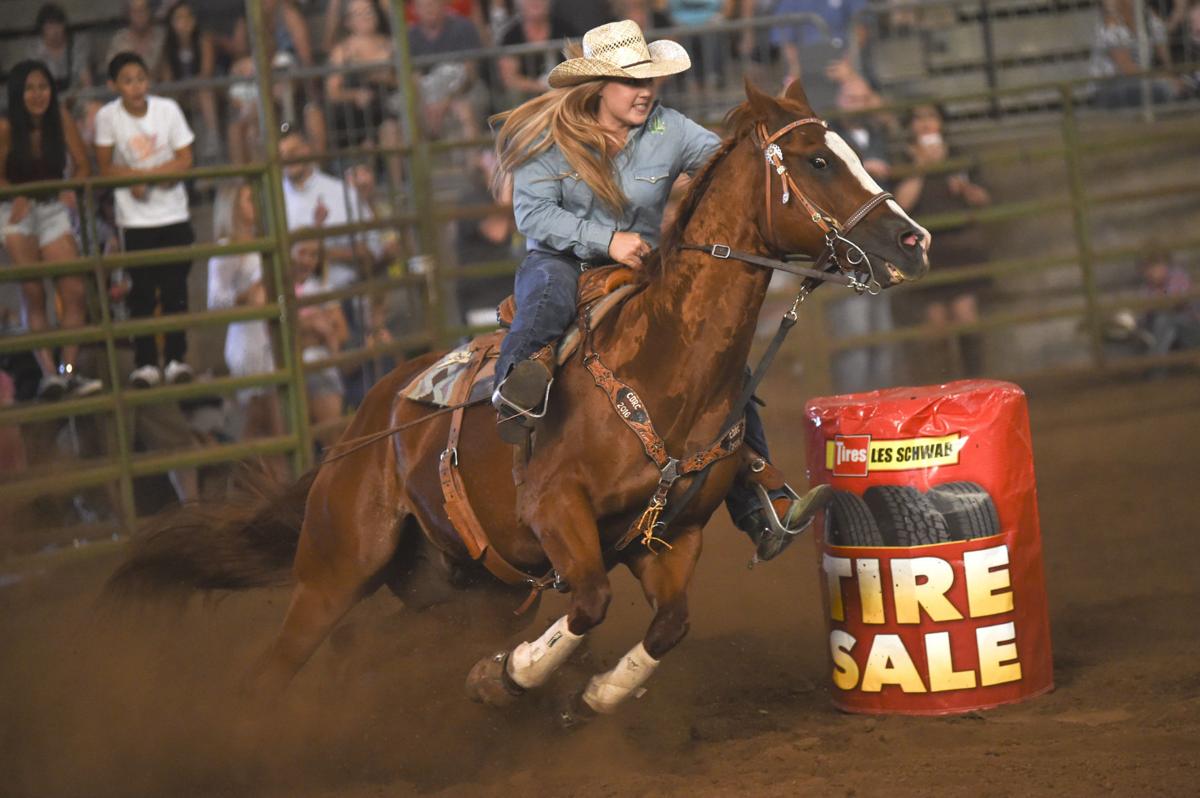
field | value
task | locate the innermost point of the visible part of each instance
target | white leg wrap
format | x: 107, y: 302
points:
x: 606, y: 691
x: 531, y: 664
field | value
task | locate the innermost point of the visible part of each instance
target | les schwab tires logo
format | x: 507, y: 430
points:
x: 859, y: 455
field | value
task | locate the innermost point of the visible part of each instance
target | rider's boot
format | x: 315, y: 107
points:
x: 521, y: 396
x: 782, y: 518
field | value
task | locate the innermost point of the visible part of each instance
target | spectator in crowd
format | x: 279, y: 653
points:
x: 289, y: 47
x: 472, y: 10
x: 524, y: 76
x: 646, y: 13
x: 868, y: 367
x: 142, y: 36
x: 708, y: 49
x: 141, y: 134
x: 39, y: 141
x: 189, y: 53
x: 313, y: 198
x: 359, y: 98
x: 480, y: 240
x: 843, y: 34
x: 1174, y: 14
x: 1177, y: 326
x: 222, y: 19
x: 576, y: 17
x: 445, y: 88
x: 1193, y: 47
x: 12, y: 445
x: 64, y: 53
x: 1116, y: 57
x: 322, y: 333
x: 234, y: 281
x: 935, y: 190
x: 754, y: 44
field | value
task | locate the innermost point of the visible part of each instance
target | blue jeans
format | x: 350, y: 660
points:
x: 545, y: 291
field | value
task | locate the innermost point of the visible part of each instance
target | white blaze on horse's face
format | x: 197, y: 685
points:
x: 838, y: 146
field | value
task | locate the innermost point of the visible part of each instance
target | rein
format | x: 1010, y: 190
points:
x: 366, y: 440
x: 822, y: 270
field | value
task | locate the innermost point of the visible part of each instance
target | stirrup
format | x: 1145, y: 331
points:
x: 772, y: 517
x: 515, y: 421
x: 775, y: 536
x: 510, y: 410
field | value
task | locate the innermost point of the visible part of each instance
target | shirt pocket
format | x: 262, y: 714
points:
x: 650, y: 187
x: 577, y: 195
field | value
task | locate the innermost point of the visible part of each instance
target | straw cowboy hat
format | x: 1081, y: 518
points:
x: 619, y: 50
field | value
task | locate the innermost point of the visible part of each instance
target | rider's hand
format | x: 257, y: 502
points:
x: 628, y: 249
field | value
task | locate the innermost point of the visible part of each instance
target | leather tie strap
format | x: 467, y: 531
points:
x: 632, y: 410
x: 458, y: 505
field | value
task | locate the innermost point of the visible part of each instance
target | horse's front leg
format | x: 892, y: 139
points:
x: 665, y: 578
x: 567, y: 530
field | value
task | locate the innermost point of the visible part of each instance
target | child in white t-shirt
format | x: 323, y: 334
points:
x: 142, y: 134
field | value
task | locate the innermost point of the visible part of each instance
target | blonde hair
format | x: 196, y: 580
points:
x: 225, y: 209
x: 565, y: 118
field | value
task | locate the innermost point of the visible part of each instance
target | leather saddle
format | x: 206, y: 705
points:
x: 600, y: 290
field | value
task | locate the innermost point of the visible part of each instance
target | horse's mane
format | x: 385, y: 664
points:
x: 740, y: 121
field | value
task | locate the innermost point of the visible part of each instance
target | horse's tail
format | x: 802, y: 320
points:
x: 242, y: 543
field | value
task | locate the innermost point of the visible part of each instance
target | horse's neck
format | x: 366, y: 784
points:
x: 700, y: 314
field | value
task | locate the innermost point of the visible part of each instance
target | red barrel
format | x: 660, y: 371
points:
x: 931, y: 555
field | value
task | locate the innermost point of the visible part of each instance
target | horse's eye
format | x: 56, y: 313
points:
x: 818, y: 162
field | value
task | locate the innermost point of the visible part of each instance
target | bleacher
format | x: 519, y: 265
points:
x: 946, y: 51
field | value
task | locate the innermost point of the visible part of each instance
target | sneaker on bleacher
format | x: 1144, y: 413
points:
x: 178, y: 372
x: 145, y: 377
x: 52, y: 386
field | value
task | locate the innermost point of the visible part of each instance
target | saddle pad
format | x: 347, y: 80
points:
x: 435, y: 385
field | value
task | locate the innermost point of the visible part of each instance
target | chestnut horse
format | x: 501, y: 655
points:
x: 682, y: 343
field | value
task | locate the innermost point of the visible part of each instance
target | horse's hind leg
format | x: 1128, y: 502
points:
x: 665, y: 578
x: 350, y: 533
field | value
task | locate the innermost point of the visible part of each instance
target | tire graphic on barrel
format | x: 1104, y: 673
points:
x: 905, y: 517
x: 968, y: 509
x: 850, y: 521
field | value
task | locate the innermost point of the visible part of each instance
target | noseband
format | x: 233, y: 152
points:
x: 827, y: 266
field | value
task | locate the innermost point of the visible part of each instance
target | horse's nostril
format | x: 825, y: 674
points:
x: 910, y: 239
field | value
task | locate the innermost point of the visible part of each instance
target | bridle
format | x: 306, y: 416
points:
x: 835, y: 232
x: 827, y: 266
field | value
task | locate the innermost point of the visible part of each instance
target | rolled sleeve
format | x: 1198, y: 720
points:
x: 539, y: 213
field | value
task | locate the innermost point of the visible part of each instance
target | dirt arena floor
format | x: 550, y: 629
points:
x: 144, y: 703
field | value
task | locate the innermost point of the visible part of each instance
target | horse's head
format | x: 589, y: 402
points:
x: 816, y: 197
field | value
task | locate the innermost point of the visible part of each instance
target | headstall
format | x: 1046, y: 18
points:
x: 856, y: 271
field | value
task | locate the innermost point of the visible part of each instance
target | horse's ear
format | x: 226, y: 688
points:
x: 761, y: 103
x: 795, y: 91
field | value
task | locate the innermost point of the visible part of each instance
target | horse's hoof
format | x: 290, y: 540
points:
x: 489, y: 682
x: 572, y: 712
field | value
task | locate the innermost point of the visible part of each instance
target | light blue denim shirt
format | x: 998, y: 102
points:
x: 556, y: 211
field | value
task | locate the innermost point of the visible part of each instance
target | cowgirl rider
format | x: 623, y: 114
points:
x: 592, y: 161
